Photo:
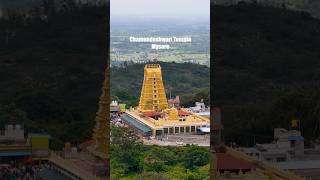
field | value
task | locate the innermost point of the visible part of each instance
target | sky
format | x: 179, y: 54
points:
x: 159, y: 8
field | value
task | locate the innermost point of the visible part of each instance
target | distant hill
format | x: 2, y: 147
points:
x: 19, y: 3
x: 310, y: 6
x: 266, y: 70
x: 26, y: 6
x: 21, y: 6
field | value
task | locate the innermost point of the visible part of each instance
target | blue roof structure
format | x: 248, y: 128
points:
x: 14, y: 153
x: 295, y: 138
x: 136, y: 123
x: 39, y: 135
x: 50, y: 174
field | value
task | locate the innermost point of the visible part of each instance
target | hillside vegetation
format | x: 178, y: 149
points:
x: 266, y: 71
x: 189, y: 81
x: 52, y: 71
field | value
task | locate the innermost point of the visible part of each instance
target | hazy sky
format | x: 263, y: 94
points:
x: 159, y: 8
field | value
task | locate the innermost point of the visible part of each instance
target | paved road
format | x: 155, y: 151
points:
x: 180, y: 140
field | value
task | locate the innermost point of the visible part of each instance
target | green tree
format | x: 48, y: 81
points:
x: 158, y: 159
x: 125, y: 149
x: 195, y: 156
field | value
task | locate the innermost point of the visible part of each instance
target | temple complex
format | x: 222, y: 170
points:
x: 154, y: 117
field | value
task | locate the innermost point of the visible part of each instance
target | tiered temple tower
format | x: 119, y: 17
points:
x: 153, y: 96
x: 101, y: 131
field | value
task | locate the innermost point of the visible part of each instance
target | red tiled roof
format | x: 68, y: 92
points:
x: 183, y: 113
x: 151, y: 113
x: 228, y: 162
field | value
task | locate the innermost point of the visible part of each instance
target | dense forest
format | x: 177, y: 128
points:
x: 52, y: 67
x: 130, y: 159
x: 266, y: 71
x: 189, y: 81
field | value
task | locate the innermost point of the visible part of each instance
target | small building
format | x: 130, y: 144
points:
x: 174, y: 102
x: 39, y: 146
x: 291, y: 141
x: 13, y: 133
x: 229, y: 163
x: 15, y: 148
x: 199, y: 107
x: 114, y: 107
x: 122, y: 108
x: 288, y: 144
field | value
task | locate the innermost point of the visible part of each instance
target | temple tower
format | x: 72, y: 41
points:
x: 101, y: 131
x: 173, y: 114
x: 153, y: 96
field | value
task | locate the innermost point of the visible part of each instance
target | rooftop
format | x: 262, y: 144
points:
x: 191, y: 120
x: 228, y: 162
x: 39, y: 135
x: 136, y: 124
x: 15, y: 153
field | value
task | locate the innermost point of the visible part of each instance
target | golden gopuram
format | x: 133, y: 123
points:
x: 153, y: 96
x: 153, y: 116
